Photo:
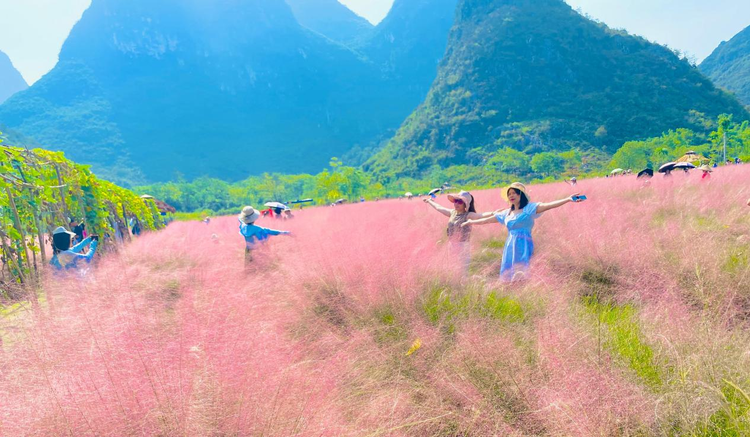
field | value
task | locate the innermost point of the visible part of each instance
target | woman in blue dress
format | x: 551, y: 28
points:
x: 519, y: 219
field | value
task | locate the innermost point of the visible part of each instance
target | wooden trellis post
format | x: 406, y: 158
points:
x: 19, y: 228
x: 62, y: 190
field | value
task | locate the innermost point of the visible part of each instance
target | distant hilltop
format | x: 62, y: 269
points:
x: 148, y: 91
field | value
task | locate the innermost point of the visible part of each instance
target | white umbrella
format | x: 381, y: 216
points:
x: 408, y: 194
x: 276, y: 205
x: 617, y: 170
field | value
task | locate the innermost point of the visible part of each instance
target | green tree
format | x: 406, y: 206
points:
x: 633, y: 155
x: 510, y: 160
x: 547, y: 163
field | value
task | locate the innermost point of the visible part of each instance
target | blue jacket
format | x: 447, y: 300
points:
x: 254, y: 235
x: 69, y: 259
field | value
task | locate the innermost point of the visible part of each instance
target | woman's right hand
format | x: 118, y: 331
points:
x: 426, y: 200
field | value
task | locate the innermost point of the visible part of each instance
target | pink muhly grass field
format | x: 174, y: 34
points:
x: 633, y: 321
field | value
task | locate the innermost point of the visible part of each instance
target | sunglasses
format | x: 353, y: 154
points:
x: 458, y: 202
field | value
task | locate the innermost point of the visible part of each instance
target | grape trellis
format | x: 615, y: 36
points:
x: 41, y: 190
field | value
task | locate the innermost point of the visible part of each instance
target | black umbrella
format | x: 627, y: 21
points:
x: 684, y: 165
x: 667, y: 167
x: 435, y: 191
x: 646, y: 173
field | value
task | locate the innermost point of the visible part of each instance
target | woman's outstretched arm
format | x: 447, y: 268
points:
x: 487, y: 219
x: 441, y: 209
x: 481, y: 215
x: 556, y: 204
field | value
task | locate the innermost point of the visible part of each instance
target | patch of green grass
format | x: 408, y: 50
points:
x: 503, y: 308
x: 623, y: 338
x: 389, y: 329
x: 484, y: 259
x: 444, y: 306
x: 493, y: 243
x: 736, y: 262
x: 8, y: 310
x: 733, y: 419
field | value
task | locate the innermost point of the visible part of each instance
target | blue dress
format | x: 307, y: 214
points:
x: 519, y: 246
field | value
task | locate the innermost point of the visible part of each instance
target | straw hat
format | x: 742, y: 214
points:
x: 706, y: 168
x: 249, y: 215
x: 518, y: 186
x: 463, y: 195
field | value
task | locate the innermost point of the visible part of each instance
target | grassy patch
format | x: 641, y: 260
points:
x: 389, y: 329
x: 599, y: 283
x: 733, y: 419
x: 443, y: 306
x: 736, y: 262
x: 623, y: 337
x: 494, y: 243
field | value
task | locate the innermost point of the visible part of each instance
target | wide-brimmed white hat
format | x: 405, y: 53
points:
x: 249, y: 215
x: 463, y: 195
x: 61, y: 230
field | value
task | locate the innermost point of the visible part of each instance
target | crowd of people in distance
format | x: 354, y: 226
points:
x: 73, y: 249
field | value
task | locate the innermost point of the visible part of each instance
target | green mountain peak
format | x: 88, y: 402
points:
x: 535, y: 76
x: 729, y: 65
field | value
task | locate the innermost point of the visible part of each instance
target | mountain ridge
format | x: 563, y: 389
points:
x: 332, y: 19
x: 11, y: 80
x: 538, y: 76
x: 729, y: 65
x: 187, y: 86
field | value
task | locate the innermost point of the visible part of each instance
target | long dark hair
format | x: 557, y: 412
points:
x: 524, y: 199
x: 471, y: 205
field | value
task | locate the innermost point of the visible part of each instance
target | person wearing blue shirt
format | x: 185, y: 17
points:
x: 67, y: 256
x: 254, y: 235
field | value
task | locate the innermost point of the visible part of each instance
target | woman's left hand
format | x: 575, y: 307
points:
x: 575, y: 198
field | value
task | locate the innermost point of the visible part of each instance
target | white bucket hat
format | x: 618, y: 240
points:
x: 249, y: 215
x: 61, y: 230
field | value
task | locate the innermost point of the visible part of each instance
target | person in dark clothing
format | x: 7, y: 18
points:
x: 66, y: 255
x: 79, y: 229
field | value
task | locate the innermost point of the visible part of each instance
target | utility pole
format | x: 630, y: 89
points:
x: 725, y: 148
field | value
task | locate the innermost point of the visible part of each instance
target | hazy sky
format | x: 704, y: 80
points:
x: 32, y: 31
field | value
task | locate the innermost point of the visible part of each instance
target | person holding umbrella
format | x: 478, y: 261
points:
x: 646, y: 173
x: 254, y: 235
x: 65, y: 255
x: 519, y: 219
